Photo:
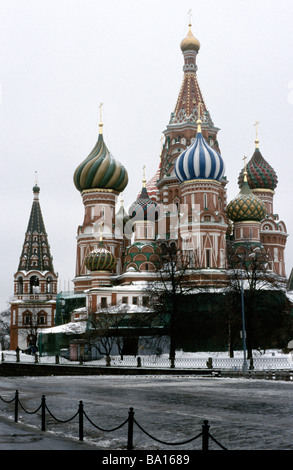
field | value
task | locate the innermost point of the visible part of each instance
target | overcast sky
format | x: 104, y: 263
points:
x: 60, y: 58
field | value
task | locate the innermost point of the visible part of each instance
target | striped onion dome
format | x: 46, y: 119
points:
x: 260, y: 174
x: 100, y: 259
x: 100, y: 170
x: 199, y: 161
x: 246, y: 206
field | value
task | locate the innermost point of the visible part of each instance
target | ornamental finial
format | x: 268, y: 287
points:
x: 101, y: 120
x: 256, y: 137
x: 199, y: 121
x: 144, y: 180
x: 189, y: 15
x: 245, y: 171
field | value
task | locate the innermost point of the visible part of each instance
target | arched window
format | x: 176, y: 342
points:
x: 20, y: 285
x: 205, y: 200
x: 49, y: 285
x: 34, y: 285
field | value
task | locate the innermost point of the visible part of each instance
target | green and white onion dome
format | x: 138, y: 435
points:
x: 246, y: 206
x: 100, y: 170
x: 100, y: 259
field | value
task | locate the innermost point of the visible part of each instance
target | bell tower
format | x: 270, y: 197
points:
x: 35, y: 283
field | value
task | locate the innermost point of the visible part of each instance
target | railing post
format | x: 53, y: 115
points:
x: 43, y: 413
x: 16, y: 406
x: 17, y: 350
x: 80, y: 413
x: 130, y: 429
x: 205, y: 435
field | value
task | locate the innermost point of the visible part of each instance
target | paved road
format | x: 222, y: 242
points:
x: 18, y: 436
x: 244, y: 414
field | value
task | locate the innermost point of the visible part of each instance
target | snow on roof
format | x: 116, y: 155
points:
x: 67, y: 328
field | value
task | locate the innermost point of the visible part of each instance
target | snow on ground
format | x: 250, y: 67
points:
x: 271, y: 353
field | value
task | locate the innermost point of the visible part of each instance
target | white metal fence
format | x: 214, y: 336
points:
x: 282, y: 362
x: 259, y: 363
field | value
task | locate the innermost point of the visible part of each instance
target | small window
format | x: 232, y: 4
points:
x: 125, y: 300
x: 145, y: 301
x: 208, y: 258
x: 135, y: 300
x: 42, y: 320
x: 104, y: 302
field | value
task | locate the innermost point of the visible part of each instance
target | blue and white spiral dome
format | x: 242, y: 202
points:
x: 199, y: 161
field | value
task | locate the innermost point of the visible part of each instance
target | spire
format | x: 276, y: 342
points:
x: 36, y: 249
x: 185, y: 114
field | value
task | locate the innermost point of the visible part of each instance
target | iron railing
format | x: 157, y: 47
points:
x: 152, y: 361
x: 130, y: 421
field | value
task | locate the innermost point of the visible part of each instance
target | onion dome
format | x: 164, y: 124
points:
x: 260, y: 174
x: 199, y: 161
x: 100, y: 170
x: 190, y: 42
x: 100, y: 259
x: 144, y: 208
x: 36, y: 189
x: 246, y: 206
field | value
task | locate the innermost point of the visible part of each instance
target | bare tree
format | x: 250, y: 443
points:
x: 174, y: 282
x: 105, y: 330
x: 258, y: 290
x: 5, y: 328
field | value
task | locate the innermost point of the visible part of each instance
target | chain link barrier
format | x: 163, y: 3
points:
x: 205, y: 434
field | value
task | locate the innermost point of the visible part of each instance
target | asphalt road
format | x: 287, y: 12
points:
x: 243, y: 414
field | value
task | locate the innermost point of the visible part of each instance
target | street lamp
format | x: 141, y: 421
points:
x: 245, y: 366
x: 254, y: 253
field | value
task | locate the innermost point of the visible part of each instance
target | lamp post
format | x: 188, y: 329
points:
x: 245, y: 366
x: 252, y: 255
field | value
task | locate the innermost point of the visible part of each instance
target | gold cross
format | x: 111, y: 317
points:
x: 101, y: 106
x: 244, y: 158
x: 189, y: 14
x: 256, y: 124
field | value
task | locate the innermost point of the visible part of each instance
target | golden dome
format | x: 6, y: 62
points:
x: 190, y: 42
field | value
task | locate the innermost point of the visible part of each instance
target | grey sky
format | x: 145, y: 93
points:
x: 60, y: 58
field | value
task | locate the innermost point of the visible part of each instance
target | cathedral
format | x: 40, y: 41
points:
x: 184, y: 203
